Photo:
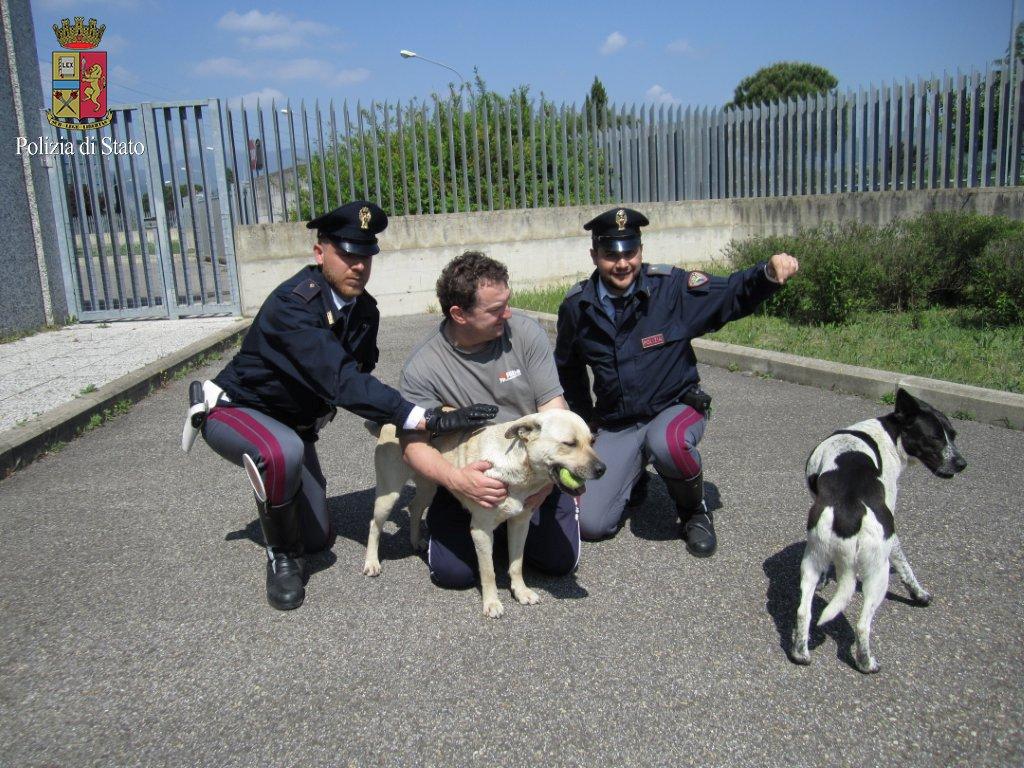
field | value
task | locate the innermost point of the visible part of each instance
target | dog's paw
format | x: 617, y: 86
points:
x: 371, y: 568
x: 526, y: 596
x: 798, y: 652
x: 493, y: 608
x: 800, y: 656
x: 922, y: 598
x: 866, y: 663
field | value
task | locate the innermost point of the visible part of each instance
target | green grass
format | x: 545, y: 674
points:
x: 541, y: 299
x: 936, y: 343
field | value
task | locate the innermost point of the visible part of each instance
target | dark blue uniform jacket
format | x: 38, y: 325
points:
x: 299, y: 360
x: 647, y: 364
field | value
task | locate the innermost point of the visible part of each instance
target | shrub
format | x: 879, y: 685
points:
x: 837, y: 272
x: 934, y: 255
x: 996, y: 285
x: 941, y: 258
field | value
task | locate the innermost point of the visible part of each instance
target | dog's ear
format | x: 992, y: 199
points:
x: 906, y: 404
x: 521, y: 429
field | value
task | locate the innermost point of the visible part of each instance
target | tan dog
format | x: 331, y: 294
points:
x: 525, y: 454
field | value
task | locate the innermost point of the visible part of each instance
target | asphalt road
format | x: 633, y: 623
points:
x: 136, y: 632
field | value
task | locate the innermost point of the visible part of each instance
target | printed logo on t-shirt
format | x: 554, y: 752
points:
x: 509, y: 375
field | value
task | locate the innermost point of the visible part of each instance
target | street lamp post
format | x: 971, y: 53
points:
x: 413, y: 55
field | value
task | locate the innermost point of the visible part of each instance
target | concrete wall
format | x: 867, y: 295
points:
x: 21, y: 289
x: 549, y: 245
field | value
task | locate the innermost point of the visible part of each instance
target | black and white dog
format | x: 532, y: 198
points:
x: 853, y: 476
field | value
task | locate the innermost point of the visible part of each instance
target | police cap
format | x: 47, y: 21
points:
x: 617, y: 230
x: 353, y: 227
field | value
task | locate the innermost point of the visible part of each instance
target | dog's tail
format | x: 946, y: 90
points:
x: 846, y: 584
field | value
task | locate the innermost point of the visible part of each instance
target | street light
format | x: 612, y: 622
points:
x: 413, y: 55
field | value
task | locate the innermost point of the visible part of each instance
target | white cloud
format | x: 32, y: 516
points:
x: 113, y: 43
x: 223, y: 67
x: 616, y: 41
x: 659, y: 95
x: 302, y: 69
x: 272, y: 31
x: 264, y: 95
x: 316, y: 70
x: 682, y: 47
x: 123, y: 76
x: 277, y: 42
x: 253, y: 21
x: 349, y: 76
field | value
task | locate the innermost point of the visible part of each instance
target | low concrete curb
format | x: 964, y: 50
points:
x: 21, y: 445
x: 989, y: 406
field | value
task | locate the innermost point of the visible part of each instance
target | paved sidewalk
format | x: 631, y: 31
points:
x: 51, y: 381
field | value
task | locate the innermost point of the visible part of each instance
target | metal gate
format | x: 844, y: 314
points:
x: 143, y: 213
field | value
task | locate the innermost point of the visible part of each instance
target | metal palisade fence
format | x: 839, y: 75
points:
x: 473, y: 152
x: 146, y: 229
x: 140, y: 222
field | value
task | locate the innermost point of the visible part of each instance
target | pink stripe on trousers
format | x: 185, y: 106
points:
x: 675, y: 438
x: 265, y: 442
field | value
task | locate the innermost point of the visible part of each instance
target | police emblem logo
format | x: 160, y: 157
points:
x: 652, y: 341
x: 79, y: 77
x: 620, y: 219
x: 364, y: 218
x: 697, y: 279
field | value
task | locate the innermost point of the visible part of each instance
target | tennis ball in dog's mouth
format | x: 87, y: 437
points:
x: 568, y: 479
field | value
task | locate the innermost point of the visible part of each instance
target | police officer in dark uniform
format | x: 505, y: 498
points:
x: 310, y: 350
x: 632, y: 324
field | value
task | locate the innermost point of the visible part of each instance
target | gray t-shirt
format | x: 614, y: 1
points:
x: 516, y: 372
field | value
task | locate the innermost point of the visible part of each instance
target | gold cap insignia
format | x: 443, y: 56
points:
x: 364, y: 218
x: 620, y: 219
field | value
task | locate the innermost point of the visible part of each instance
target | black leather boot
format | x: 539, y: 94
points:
x: 698, y: 525
x: 285, y: 588
x: 283, y: 537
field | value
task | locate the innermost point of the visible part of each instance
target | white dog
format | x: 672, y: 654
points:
x: 525, y: 454
x: 853, y: 476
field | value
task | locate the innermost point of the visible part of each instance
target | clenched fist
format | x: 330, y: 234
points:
x: 781, y: 267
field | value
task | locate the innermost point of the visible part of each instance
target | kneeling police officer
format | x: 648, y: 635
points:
x: 632, y: 323
x: 310, y: 350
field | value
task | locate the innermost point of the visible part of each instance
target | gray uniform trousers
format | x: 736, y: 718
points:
x: 288, y: 464
x: 669, y: 441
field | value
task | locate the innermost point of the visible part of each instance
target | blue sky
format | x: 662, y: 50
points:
x: 644, y: 52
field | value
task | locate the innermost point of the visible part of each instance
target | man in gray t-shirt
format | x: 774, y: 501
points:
x: 516, y: 371
x: 482, y: 352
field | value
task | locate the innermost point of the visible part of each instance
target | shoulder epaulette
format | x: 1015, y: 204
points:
x: 307, y: 289
x: 659, y: 269
x: 578, y: 288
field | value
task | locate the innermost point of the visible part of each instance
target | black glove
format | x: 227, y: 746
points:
x: 471, y: 416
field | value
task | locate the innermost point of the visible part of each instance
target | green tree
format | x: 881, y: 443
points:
x: 782, y: 80
x: 372, y: 162
x: 598, y: 97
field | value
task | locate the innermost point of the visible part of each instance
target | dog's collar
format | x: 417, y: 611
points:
x: 865, y: 437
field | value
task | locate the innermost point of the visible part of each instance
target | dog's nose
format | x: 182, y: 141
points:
x: 959, y: 464
x: 599, y: 469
